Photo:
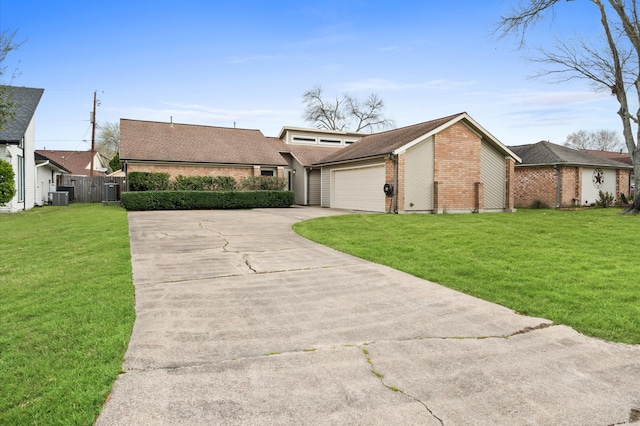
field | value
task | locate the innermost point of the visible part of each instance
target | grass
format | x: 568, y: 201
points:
x: 66, y: 314
x: 576, y: 267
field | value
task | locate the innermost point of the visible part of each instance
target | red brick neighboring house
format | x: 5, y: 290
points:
x: 451, y: 164
x: 560, y: 177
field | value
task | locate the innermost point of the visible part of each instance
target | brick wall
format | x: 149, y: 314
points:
x: 390, y: 178
x: 622, y: 182
x: 533, y: 184
x: 456, y: 168
x: 571, y: 191
x: 510, y: 182
x: 193, y: 170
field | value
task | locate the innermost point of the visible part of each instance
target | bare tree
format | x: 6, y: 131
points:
x: 108, y: 143
x: 611, y: 64
x: 345, y: 113
x: 601, y: 140
x: 7, y: 105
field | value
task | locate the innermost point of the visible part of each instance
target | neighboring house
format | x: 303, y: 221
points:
x: 47, y: 172
x: 17, y: 143
x: 451, y: 164
x: 78, y: 162
x: 447, y: 165
x: 620, y: 156
x: 559, y: 176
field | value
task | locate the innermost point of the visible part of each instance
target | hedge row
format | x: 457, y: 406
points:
x: 158, y: 181
x: 205, y: 200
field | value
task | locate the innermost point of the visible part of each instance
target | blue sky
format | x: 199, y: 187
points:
x: 249, y: 62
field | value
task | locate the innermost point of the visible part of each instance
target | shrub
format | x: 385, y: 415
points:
x: 605, y: 199
x: 539, y: 204
x: 205, y: 183
x: 7, y: 182
x: 148, y: 181
x: 205, y: 200
x: 267, y: 183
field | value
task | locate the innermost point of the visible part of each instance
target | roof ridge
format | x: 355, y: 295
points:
x: 192, y: 125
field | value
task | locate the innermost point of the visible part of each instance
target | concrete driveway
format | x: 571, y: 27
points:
x: 241, y: 321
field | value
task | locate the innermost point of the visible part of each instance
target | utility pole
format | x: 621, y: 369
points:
x: 93, y: 133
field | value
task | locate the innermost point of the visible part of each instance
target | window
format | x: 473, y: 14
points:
x: 20, y: 178
x: 266, y: 172
x: 338, y: 141
x: 348, y: 142
x: 306, y: 140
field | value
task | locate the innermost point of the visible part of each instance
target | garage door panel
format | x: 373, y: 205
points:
x: 359, y: 188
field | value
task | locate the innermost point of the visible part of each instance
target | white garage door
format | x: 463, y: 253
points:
x: 359, y: 189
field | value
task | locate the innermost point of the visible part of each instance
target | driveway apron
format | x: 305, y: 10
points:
x: 241, y: 321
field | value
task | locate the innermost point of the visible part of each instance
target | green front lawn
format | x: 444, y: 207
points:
x: 578, y: 268
x: 66, y: 312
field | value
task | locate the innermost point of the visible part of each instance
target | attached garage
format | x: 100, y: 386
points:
x: 359, y: 188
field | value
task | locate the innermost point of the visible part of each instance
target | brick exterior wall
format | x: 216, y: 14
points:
x: 541, y: 183
x: 390, y: 178
x: 510, y: 183
x: 533, y: 184
x: 195, y: 170
x: 622, y: 182
x: 571, y: 190
x: 456, y: 168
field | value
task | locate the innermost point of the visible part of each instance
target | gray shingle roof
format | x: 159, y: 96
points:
x: 547, y: 153
x: 158, y: 141
x: 26, y: 99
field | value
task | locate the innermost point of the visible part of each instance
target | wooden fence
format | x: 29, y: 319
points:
x: 90, y: 189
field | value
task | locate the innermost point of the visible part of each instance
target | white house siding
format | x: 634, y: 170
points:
x: 589, y: 188
x: 418, y: 177
x: 298, y: 182
x: 45, y: 183
x: 325, y: 187
x: 315, y: 187
x: 493, y: 175
x: 29, y: 165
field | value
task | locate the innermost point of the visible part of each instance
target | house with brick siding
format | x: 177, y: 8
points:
x: 451, y: 164
x: 559, y: 176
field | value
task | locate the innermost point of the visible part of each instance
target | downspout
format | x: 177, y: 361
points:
x: 35, y: 180
x: 395, y: 183
x: 559, y: 185
x: 24, y: 177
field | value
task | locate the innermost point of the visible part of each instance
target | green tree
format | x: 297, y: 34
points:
x: 115, y: 164
x: 610, y: 62
x: 7, y: 182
